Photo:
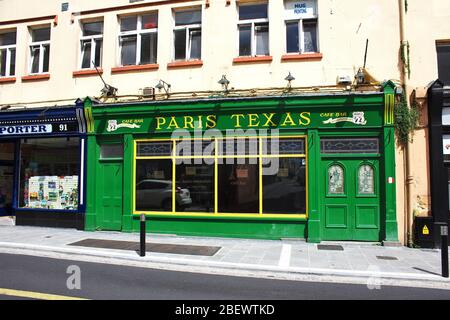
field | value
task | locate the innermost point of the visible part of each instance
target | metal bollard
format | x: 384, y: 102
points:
x: 142, y: 251
x: 444, y: 250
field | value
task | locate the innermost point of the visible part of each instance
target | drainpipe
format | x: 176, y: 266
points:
x: 408, y: 147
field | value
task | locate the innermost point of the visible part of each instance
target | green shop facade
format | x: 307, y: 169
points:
x: 315, y: 166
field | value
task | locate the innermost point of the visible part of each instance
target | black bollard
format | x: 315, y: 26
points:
x: 444, y: 250
x: 142, y: 251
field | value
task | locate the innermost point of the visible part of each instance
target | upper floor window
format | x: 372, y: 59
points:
x: 188, y: 35
x: 138, y: 39
x: 40, y: 50
x: 301, y: 26
x: 7, y: 54
x: 91, y: 45
x: 253, y: 29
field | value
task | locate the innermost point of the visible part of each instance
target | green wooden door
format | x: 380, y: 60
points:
x: 350, y: 199
x: 110, y: 191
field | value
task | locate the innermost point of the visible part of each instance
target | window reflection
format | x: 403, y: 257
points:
x: 285, y: 190
x: 154, y: 185
x: 239, y: 187
x: 196, y: 182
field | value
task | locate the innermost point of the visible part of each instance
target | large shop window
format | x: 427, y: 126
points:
x: 259, y: 176
x: 49, y: 172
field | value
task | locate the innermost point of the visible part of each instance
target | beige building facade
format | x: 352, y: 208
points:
x: 135, y: 44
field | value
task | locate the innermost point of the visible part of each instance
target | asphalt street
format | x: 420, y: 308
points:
x: 44, y: 276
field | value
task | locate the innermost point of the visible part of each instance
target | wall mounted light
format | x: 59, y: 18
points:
x: 163, y: 85
x: 360, y: 76
x: 289, y: 78
x: 224, y: 82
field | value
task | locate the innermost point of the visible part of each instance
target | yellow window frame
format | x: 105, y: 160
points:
x: 216, y: 157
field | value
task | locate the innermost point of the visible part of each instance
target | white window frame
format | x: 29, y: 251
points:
x: 138, y: 33
x: 93, y: 40
x: 252, y: 23
x: 8, y: 49
x: 301, y: 35
x: 188, y: 28
x: 41, y: 45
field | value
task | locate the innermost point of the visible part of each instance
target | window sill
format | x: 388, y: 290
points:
x: 36, y: 77
x: 143, y: 67
x: 185, y: 64
x: 8, y: 80
x: 252, y: 59
x: 302, y: 56
x: 86, y: 72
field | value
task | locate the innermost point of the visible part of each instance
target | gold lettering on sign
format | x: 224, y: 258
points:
x: 288, y: 119
x: 269, y: 121
x: 238, y: 117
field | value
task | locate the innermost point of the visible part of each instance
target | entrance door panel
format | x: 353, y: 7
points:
x: 110, y: 202
x: 350, y: 200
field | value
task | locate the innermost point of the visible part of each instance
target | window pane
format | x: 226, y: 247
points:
x: 443, y: 56
x: 41, y: 34
x: 150, y: 21
x: 262, y: 39
x: 148, y: 48
x: 111, y: 151
x: 49, y: 173
x: 195, y: 187
x: 12, y: 71
x: 292, y: 37
x: 255, y: 11
x: 92, y: 28
x: 285, y: 190
x: 335, y: 180
x: 98, y: 52
x: 239, y: 147
x: 146, y: 149
x: 310, y: 36
x: 86, y: 59
x: 349, y: 145
x: 188, y: 17
x: 284, y: 146
x: 239, y: 187
x: 35, y: 59
x: 245, y: 44
x: 196, y: 43
x: 365, y: 180
x: 128, y: 24
x: 187, y: 148
x: 3, y: 63
x: 180, y: 44
x: 7, y: 38
x: 154, y: 185
x: 46, y: 58
x: 128, y: 54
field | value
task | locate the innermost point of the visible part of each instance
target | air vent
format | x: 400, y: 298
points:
x: 148, y: 92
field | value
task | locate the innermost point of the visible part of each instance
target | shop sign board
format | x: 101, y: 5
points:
x: 36, y: 129
x: 303, y: 119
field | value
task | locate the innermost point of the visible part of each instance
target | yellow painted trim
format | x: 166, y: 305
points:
x: 211, y: 214
x: 216, y: 178
x: 35, y: 295
x: 260, y: 178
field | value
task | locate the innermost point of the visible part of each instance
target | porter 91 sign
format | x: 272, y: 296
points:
x: 36, y: 129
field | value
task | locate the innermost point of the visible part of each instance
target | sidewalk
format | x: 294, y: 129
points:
x: 362, y: 263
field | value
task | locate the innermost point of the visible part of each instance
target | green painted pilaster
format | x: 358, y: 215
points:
x: 391, y: 228
x: 90, y: 222
x: 128, y: 160
x: 313, y: 178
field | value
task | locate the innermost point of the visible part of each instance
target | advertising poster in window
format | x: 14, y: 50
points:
x: 53, y: 192
x: 6, y: 185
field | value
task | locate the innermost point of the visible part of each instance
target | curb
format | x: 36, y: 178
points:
x: 282, y: 272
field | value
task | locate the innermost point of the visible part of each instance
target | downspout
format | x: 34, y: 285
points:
x: 408, y: 147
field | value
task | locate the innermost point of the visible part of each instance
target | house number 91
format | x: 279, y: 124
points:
x: 63, y: 127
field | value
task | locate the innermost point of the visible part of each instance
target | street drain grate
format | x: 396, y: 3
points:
x: 386, y: 258
x: 151, y: 247
x: 334, y: 247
